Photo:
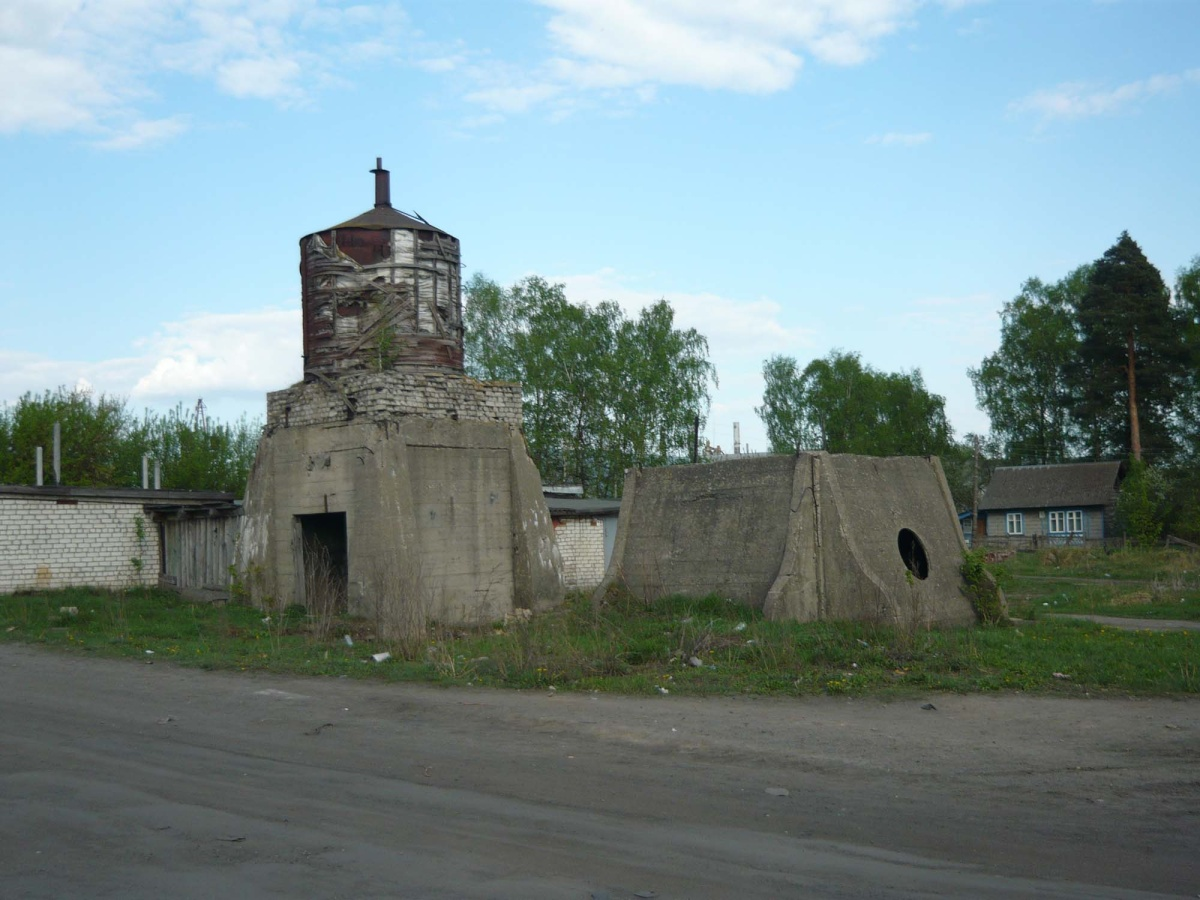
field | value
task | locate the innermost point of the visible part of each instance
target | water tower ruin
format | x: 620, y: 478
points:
x: 386, y: 476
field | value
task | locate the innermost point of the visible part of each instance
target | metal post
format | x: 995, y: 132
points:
x: 38, y: 456
x: 57, y: 453
x: 145, y: 473
x: 157, y: 475
x: 737, y: 439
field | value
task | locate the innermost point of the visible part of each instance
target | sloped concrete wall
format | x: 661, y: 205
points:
x: 454, y: 507
x: 702, y: 529
x: 815, y: 536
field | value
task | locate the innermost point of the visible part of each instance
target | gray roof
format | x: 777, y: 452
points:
x: 136, y: 495
x: 563, y: 506
x: 1043, y: 487
x: 386, y: 217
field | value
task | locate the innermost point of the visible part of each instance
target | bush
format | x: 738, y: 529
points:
x: 982, y: 589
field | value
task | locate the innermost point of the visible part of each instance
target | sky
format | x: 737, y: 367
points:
x: 873, y: 176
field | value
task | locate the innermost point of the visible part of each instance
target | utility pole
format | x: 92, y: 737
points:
x: 975, y: 493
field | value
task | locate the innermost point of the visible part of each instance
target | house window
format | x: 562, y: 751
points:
x: 1066, y: 521
x: 1014, y: 523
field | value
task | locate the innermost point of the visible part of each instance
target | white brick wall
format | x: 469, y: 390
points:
x: 52, y: 544
x: 581, y: 544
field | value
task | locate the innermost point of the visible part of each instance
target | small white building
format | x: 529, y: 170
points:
x: 585, y: 532
x: 57, y: 537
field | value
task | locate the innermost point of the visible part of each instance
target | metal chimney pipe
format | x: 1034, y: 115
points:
x: 737, y: 439
x: 383, y: 185
x: 145, y: 473
x: 57, y: 453
x: 158, y: 475
x: 38, y: 466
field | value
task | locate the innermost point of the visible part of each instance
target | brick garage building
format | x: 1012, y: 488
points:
x: 57, y: 537
x: 585, y: 531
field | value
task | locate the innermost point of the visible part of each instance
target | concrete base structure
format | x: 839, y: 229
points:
x: 807, y: 537
x: 450, y: 514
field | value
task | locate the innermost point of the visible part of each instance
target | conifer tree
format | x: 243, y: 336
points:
x: 1131, y: 355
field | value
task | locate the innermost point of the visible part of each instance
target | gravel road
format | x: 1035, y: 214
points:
x: 121, y: 779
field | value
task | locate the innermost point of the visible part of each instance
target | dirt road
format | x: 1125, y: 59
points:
x: 136, y: 781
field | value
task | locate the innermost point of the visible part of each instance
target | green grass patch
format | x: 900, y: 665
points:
x: 1125, y: 564
x: 677, y: 645
x: 1147, y: 584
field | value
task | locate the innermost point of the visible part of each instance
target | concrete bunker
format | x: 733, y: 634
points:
x: 403, y: 482
x: 808, y: 537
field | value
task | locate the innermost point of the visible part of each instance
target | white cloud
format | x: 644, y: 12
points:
x: 736, y: 329
x: 1079, y: 100
x: 48, y: 92
x: 144, y: 134
x: 741, y: 45
x: 267, y: 78
x: 234, y: 353
x: 514, y: 99
x: 71, y: 65
x: 901, y: 139
x: 237, y: 356
x: 741, y: 334
x: 749, y: 46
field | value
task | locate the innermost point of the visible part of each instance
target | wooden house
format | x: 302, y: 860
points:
x: 1068, y: 503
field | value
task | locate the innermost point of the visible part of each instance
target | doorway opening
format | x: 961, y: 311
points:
x: 325, y: 561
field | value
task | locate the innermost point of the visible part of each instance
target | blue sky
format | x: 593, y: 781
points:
x: 875, y: 176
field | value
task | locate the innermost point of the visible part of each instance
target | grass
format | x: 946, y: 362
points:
x: 676, y: 646
x: 1150, y: 584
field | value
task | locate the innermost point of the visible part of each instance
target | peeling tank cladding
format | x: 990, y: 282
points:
x: 381, y: 290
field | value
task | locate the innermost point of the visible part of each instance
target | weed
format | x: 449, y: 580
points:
x: 982, y: 589
x: 622, y: 645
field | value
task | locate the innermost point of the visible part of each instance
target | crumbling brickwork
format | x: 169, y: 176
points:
x: 392, y: 395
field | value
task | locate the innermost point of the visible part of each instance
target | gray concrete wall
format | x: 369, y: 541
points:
x: 804, y: 538
x: 445, y: 506
x: 706, y: 528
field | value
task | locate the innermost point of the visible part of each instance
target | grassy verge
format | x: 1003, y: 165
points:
x: 676, y: 646
x: 1156, y: 584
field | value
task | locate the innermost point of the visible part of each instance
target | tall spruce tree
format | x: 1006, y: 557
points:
x: 1132, y: 356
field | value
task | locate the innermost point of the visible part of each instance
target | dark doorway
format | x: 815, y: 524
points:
x: 912, y: 551
x: 324, y: 556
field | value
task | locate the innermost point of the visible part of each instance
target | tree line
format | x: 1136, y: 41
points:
x: 1102, y: 364
x: 1105, y: 364
x: 102, y: 443
x: 602, y: 392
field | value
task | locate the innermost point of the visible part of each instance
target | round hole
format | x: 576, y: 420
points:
x: 912, y: 552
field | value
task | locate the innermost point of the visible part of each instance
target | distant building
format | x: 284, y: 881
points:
x: 585, y: 531
x: 1069, y: 503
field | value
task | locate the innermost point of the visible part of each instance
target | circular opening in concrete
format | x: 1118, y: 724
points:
x: 912, y: 552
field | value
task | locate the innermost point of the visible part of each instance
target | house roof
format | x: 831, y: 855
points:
x: 1068, y: 484
x: 561, y: 506
x: 118, y: 495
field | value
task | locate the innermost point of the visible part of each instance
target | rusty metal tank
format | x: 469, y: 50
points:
x: 381, y: 290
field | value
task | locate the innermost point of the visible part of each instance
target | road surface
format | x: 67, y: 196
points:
x: 127, y: 780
